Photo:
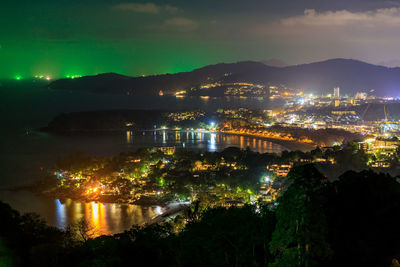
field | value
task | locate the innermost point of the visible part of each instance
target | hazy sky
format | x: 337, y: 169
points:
x: 66, y: 37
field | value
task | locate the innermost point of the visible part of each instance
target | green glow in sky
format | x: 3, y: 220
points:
x: 90, y: 58
x: 73, y: 76
x: 87, y: 37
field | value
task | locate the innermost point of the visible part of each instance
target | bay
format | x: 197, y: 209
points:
x: 26, y: 154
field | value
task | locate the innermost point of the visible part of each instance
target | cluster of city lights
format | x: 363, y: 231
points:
x: 93, y: 190
x: 69, y: 76
x: 41, y: 77
x: 47, y: 77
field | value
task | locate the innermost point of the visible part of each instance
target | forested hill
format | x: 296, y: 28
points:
x: 105, y: 120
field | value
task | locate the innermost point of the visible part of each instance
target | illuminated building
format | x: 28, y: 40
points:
x: 336, y: 92
x: 352, y: 101
x: 269, y: 112
x: 343, y: 112
x: 361, y: 96
x: 281, y: 170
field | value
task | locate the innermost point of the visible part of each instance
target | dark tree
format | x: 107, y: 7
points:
x: 363, y: 219
x: 228, y: 237
x: 300, y: 235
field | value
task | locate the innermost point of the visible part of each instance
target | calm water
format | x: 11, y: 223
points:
x: 105, y: 218
x: 24, y: 157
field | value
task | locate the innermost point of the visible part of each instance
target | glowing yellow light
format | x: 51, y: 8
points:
x: 95, y: 213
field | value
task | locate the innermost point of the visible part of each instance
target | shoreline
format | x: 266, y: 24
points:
x: 161, y: 213
x: 112, y: 199
x: 290, y: 145
x: 281, y: 142
x: 171, y: 209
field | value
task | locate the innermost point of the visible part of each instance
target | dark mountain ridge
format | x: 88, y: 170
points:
x: 273, y: 62
x: 350, y: 75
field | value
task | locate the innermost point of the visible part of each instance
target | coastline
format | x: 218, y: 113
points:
x: 56, y: 194
x: 61, y: 212
x: 296, y: 145
x: 171, y: 209
x: 290, y: 145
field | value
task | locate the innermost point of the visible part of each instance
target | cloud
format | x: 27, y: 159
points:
x: 341, y: 18
x: 148, y: 8
x: 372, y: 35
x: 181, y: 24
x: 378, y: 25
x: 171, y: 9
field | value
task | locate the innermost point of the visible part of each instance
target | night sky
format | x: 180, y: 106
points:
x: 59, y: 38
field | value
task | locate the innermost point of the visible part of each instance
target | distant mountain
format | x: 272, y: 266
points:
x: 390, y: 63
x: 275, y: 63
x: 168, y: 83
x: 320, y: 77
x: 350, y: 75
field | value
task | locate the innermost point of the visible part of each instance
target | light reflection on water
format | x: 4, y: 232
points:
x: 212, y: 142
x: 128, y: 136
x: 202, y: 140
x: 104, y: 218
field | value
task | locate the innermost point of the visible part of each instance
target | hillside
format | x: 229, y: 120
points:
x: 319, y: 77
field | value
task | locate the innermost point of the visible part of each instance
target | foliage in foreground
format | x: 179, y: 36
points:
x: 350, y: 222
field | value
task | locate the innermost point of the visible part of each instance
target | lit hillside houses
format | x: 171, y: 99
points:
x: 280, y: 170
x: 186, y: 115
x: 382, y: 151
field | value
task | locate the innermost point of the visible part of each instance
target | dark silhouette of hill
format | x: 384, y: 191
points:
x: 105, y: 120
x: 169, y: 83
x: 319, y: 77
x: 273, y: 62
x: 350, y: 75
